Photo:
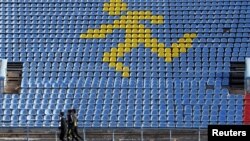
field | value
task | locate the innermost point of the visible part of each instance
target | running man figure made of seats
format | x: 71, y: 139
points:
x: 135, y: 33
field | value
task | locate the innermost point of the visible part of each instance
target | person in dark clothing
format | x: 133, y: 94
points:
x: 63, y: 127
x: 74, y: 116
x: 71, y: 127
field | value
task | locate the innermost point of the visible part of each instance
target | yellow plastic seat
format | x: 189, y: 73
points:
x: 181, y: 40
x: 154, y: 21
x: 117, y: 8
x: 122, y: 26
x: 189, y: 40
x: 147, y: 40
x: 135, y: 26
x: 154, y: 49
x: 175, y: 50
x: 160, y: 17
x: 193, y: 35
x: 135, y: 12
x: 161, y: 45
x: 160, y: 21
x: 103, y: 26
x: 147, y: 44
x: 129, y: 13
x: 125, y: 69
x: 128, y: 40
x: 129, y: 17
x: 89, y: 36
x: 134, y: 31
x: 134, y: 36
x: 102, y: 30
x: 125, y: 74
x: 120, y: 49
x: 124, y: 4
x: 161, y: 54
x: 134, y: 44
x: 183, y: 50
x: 154, y: 45
x: 118, y: 64
x: 141, y: 40
x: 127, y: 45
x: 141, y: 17
x: 112, y: 59
x: 112, y: 64
x: 113, y: 54
x: 112, y: 3
x: 109, y: 30
x: 168, y: 59
x: 161, y: 49
x: 154, y: 17
x: 119, y: 68
x: 153, y: 40
x: 111, y: 8
x: 141, y: 31
x: 134, y: 40
x: 105, y: 59
x: 90, y: 31
x: 116, y: 26
x: 96, y: 35
x: 120, y: 54
x: 106, y: 54
x: 105, y: 8
x: 148, y: 31
x: 83, y: 36
x: 141, y: 36
x: 174, y: 45
x: 167, y: 50
x: 113, y: 50
x: 122, y: 21
x: 181, y: 45
x: 148, y: 13
x: 188, y: 45
x: 112, y: 13
x: 124, y: 8
x: 109, y: 26
x: 127, y: 50
x: 186, y: 35
x: 116, y: 22
x: 141, y: 13
x: 96, y: 31
x: 135, y: 17
x: 102, y: 36
x: 147, y: 17
x: 175, y: 54
x: 168, y: 55
x: 127, y: 36
x: 128, y: 31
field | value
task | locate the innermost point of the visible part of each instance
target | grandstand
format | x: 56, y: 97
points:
x: 155, y: 64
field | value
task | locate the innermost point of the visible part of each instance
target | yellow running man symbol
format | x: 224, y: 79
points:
x: 135, y: 33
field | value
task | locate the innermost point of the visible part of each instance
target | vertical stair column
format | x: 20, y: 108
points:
x: 246, y: 115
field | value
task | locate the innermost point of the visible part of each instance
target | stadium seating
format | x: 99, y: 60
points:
x: 63, y: 71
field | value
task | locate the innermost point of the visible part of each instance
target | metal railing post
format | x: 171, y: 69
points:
x: 84, y: 134
x: 141, y: 134
x: 199, y: 135
x: 170, y: 134
x: 113, y: 136
x: 56, y: 135
x: 27, y: 131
